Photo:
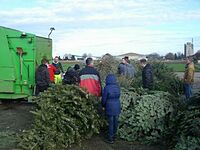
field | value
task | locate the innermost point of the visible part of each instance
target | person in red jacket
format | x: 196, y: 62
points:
x: 90, y: 79
x: 52, y: 70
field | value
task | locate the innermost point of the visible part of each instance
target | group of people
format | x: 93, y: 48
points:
x: 126, y: 69
x: 89, y: 78
x: 47, y: 74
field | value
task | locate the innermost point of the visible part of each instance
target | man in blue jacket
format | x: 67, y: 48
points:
x: 111, y: 103
x: 126, y: 69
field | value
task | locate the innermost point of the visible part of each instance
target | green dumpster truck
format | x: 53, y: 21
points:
x: 20, y: 55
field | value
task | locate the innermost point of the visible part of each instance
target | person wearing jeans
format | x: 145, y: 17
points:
x: 113, y: 124
x: 188, y: 77
x: 112, y: 106
x: 188, y: 90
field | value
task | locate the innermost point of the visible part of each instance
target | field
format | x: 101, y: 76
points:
x: 180, y: 67
x: 67, y: 64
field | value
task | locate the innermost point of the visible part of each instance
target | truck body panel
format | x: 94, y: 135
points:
x: 20, y: 55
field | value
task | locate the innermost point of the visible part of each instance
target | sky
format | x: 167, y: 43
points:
x: 107, y: 26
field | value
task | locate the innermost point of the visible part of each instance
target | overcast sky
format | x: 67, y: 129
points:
x: 107, y: 26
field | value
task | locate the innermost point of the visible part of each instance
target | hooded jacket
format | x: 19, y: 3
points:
x: 111, y: 96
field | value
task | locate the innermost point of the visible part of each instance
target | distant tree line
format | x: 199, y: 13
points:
x: 172, y: 56
x: 169, y: 56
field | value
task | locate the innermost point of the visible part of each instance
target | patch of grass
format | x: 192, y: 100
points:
x: 67, y: 64
x: 177, y: 67
x: 180, y: 67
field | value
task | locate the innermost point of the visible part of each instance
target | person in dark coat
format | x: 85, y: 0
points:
x: 72, y: 75
x: 147, y: 74
x: 111, y: 103
x: 42, y: 77
x: 121, y: 67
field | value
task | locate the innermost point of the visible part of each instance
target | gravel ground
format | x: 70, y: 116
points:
x: 196, y: 85
x: 196, y: 76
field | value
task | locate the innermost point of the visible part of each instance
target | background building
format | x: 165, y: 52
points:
x: 132, y: 56
x: 188, y: 49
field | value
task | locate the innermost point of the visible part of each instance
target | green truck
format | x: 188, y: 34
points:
x: 20, y: 55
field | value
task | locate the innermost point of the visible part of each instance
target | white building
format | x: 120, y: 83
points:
x: 188, y: 49
x: 132, y: 56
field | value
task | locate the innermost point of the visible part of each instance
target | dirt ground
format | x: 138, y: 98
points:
x: 16, y: 116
